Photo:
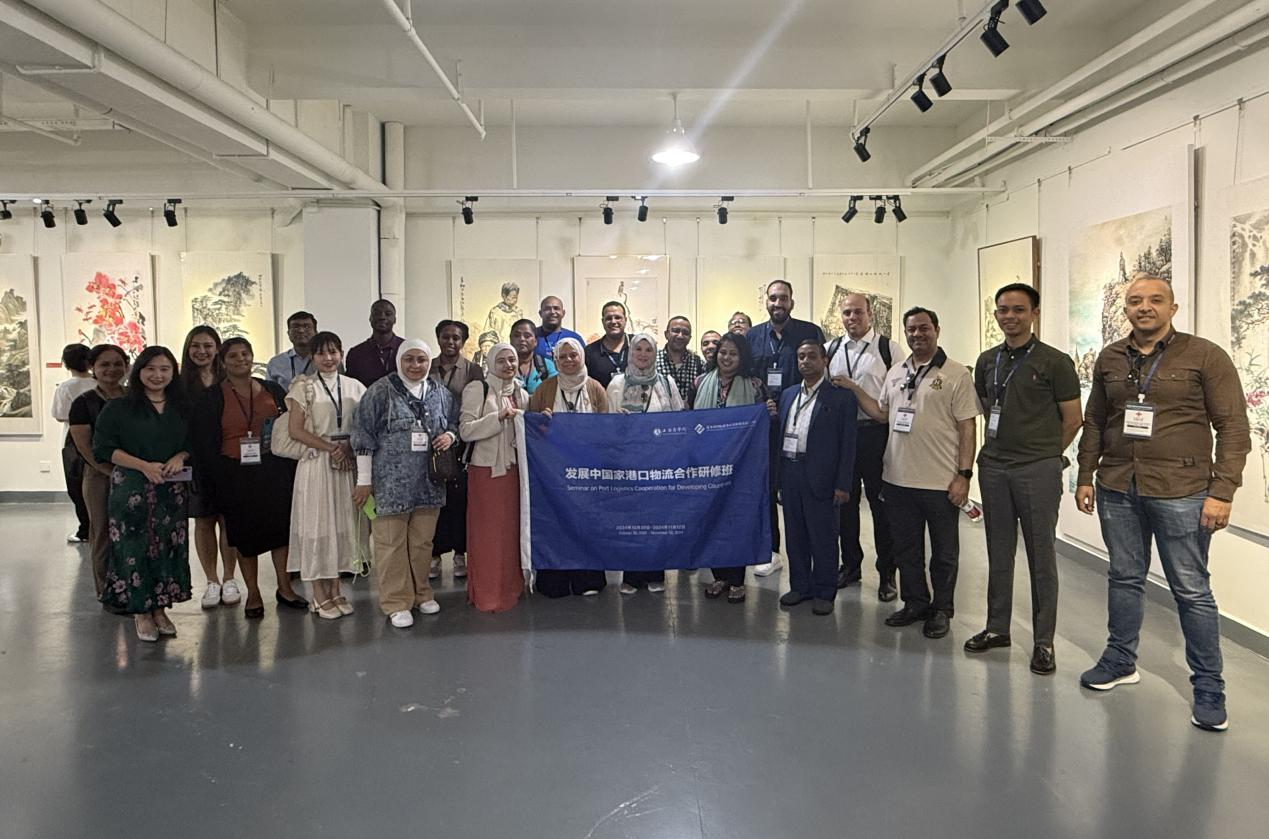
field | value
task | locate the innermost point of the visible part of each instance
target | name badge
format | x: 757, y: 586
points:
x: 776, y: 379
x: 249, y: 451
x: 904, y: 420
x: 994, y: 420
x: 790, y: 444
x: 418, y: 440
x: 1139, y: 420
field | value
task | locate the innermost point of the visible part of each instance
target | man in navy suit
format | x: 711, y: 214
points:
x: 817, y: 458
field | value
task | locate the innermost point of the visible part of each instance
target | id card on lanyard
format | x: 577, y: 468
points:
x: 418, y: 438
x: 999, y: 388
x: 1139, y: 417
x: 775, y: 375
x: 250, y: 447
x: 905, y: 415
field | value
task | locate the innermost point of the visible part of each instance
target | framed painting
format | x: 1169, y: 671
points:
x: 489, y: 295
x: 729, y: 284
x: 1015, y: 261
x: 640, y: 283
x: 875, y: 275
x: 232, y: 293
x: 108, y: 298
x: 20, y: 411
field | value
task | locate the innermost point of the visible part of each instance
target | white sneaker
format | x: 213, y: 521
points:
x: 401, y: 620
x: 460, y: 566
x: 75, y: 539
x: 429, y: 607
x: 769, y: 568
x: 211, y: 597
x: 656, y: 587
x: 230, y: 594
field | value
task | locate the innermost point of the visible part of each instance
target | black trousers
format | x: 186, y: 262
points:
x: 556, y: 583
x: 870, y: 446
x: 643, y: 578
x: 73, y: 471
x: 912, y: 513
x: 811, y: 535
x: 451, y: 532
x: 733, y: 576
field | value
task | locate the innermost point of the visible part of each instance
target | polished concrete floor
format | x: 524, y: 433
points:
x: 643, y: 716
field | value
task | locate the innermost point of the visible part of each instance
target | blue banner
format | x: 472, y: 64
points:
x: 643, y: 492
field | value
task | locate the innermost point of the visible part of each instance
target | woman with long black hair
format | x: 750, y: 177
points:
x: 145, y: 434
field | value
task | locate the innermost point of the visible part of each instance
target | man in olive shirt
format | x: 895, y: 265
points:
x: 1031, y: 397
x: 1156, y: 397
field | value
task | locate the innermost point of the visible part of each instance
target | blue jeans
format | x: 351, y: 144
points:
x: 1129, y: 521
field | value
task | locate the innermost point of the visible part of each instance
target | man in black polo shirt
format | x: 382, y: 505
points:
x: 606, y: 355
x: 1031, y: 397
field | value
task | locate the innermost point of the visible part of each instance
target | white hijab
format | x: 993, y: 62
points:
x: 507, y: 388
x: 575, y: 384
x: 417, y: 388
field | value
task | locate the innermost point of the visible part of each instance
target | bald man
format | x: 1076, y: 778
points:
x: 551, y: 313
x: 1157, y: 396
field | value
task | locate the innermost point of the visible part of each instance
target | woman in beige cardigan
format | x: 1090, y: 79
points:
x: 487, y: 421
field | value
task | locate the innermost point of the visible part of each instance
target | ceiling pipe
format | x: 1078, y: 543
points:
x: 400, y: 18
x: 1014, y: 113
x: 35, y: 129
x: 1210, y: 35
x: 100, y: 23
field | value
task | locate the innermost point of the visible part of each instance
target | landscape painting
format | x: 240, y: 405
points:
x: 876, y: 276
x: 233, y: 294
x: 19, y: 348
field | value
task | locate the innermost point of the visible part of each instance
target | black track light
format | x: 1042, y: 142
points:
x: 1032, y: 10
x: 861, y: 151
x: 642, y: 213
x: 851, y: 212
x: 5, y: 212
x: 722, y: 208
x: 919, y: 97
x: 879, y: 209
x: 469, y: 215
x: 992, y: 39
x: 606, y: 210
x: 897, y: 210
x: 81, y: 215
x: 169, y: 211
x: 109, y: 213
x: 47, y: 214
x: 938, y: 81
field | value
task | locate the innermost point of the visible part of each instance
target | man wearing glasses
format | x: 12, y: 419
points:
x: 297, y: 361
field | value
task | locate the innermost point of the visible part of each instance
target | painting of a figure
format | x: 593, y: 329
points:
x: 640, y: 283
x: 108, y: 299
x: 876, y: 276
x: 1249, y: 342
x: 233, y: 294
x: 489, y: 295
x: 1016, y: 261
x: 19, y: 352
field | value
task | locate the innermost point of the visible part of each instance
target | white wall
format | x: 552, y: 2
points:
x: 1130, y: 163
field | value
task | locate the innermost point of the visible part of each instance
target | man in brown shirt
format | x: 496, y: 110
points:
x: 1157, y: 395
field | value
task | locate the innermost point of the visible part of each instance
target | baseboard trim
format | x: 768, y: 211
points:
x: 1157, y: 592
x: 11, y: 496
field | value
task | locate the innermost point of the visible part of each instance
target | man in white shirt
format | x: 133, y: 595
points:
x: 285, y: 366
x: 863, y: 356
x: 75, y: 362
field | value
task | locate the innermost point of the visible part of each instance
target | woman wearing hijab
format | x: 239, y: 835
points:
x: 570, y: 391
x: 642, y: 390
x: 323, y: 519
x: 488, y: 422
x: 727, y: 386
x: 250, y: 485
x: 400, y: 419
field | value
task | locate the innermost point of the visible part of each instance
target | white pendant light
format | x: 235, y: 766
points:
x: 677, y: 149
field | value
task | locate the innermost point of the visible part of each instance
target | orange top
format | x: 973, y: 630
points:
x: 241, y: 415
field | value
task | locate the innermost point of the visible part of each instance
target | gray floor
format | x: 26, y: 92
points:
x: 647, y: 716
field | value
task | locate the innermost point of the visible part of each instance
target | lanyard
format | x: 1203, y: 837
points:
x: 915, y: 379
x: 571, y: 407
x: 847, y: 357
x: 307, y: 362
x: 998, y: 387
x: 777, y: 346
x: 386, y: 356
x: 1137, y: 362
x: 724, y: 389
x: 619, y: 360
x: 801, y: 403
x: 337, y: 399
x: 249, y: 411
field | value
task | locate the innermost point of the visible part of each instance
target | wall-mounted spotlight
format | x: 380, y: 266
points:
x: 469, y: 215
x: 109, y: 213
x: 851, y: 212
x: 992, y: 39
x: 5, y: 212
x: 919, y: 97
x: 861, y: 151
x: 897, y: 210
x: 46, y: 214
x: 938, y: 81
x: 879, y: 208
x: 642, y: 213
x: 721, y: 209
x: 606, y: 211
x: 169, y: 211
x: 81, y: 215
x: 1032, y: 10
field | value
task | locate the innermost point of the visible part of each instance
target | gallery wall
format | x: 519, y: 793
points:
x: 1133, y: 163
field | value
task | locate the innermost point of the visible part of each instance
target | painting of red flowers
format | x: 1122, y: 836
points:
x: 109, y: 299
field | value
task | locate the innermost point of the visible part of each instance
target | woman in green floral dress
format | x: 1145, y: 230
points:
x: 144, y: 434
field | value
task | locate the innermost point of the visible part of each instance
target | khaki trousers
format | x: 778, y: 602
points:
x: 403, y: 552
x: 96, y: 489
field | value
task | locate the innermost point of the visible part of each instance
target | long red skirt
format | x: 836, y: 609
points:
x: 494, y: 578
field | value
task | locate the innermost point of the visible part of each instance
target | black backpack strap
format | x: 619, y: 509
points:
x: 833, y: 346
x: 884, y: 350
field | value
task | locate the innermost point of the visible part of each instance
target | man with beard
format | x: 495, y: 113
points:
x: 376, y: 357
x: 774, y: 345
x: 551, y: 312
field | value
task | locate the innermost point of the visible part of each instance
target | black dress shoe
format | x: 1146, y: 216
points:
x: 298, y: 603
x: 254, y: 612
x: 848, y: 577
x: 985, y: 641
x: 1043, y: 660
x: 822, y: 607
x: 936, y: 625
x: 792, y: 598
x: 886, y: 592
x: 907, y: 615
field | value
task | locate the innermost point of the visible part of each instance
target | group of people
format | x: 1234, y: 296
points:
x: 421, y: 444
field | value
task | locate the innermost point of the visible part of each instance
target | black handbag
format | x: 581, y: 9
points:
x: 444, y: 466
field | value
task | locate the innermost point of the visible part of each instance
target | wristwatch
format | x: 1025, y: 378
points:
x: 966, y: 473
